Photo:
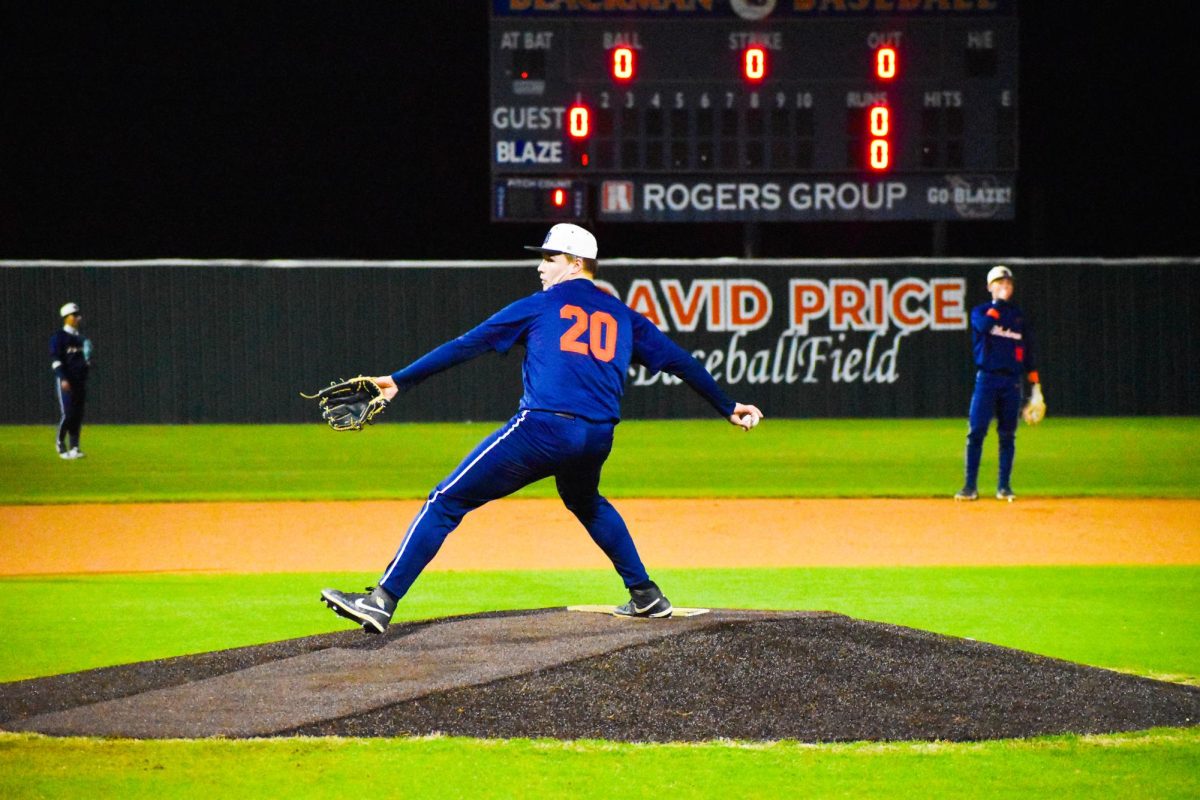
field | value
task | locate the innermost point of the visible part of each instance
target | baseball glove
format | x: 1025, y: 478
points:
x: 348, y: 405
x: 1035, y: 409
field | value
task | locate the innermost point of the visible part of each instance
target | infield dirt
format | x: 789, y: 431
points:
x: 541, y: 534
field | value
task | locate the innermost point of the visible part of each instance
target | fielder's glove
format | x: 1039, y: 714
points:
x: 1035, y: 409
x: 348, y: 405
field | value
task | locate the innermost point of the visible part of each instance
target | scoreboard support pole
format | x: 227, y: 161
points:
x: 938, y: 244
x: 751, y: 240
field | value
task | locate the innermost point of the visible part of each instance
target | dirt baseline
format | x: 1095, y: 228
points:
x: 808, y: 676
x: 541, y: 534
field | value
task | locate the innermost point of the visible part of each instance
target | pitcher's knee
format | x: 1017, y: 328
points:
x: 582, y: 508
x: 586, y: 507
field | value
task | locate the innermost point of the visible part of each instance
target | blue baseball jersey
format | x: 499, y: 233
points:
x: 579, y: 343
x: 1002, y: 339
x: 69, y: 353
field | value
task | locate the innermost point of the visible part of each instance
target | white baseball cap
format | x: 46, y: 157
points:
x: 999, y: 272
x: 68, y: 309
x: 567, y: 238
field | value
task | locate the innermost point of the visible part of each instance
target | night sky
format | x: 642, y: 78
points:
x: 360, y: 130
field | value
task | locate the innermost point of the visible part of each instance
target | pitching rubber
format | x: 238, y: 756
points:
x: 676, y: 612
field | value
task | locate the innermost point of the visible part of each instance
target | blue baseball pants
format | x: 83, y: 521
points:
x: 531, y: 446
x: 999, y: 396
x: 71, y: 402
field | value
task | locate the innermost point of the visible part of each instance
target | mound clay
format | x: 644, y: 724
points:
x: 753, y: 675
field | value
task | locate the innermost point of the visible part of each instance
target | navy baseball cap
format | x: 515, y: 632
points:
x: 567, y: 238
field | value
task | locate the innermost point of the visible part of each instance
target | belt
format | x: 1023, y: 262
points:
x: 573, y: 417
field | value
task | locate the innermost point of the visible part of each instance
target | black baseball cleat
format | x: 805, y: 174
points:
x: 649, y: 602
x: 1005, y: 493
x: 373, y: 610
x: 966, y: 493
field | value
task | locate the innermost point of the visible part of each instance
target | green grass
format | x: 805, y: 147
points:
x: 1129, y: 457
x: 1155, y: 764
x: 1136, y: 619
x: 1139, y: 619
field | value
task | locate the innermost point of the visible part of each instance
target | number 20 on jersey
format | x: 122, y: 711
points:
x: 601, y: 328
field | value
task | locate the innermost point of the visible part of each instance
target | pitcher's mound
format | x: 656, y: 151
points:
x: 809, y: 676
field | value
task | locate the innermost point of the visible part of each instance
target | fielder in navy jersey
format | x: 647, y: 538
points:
x: 1002, y: 342
x: 70, y: 355
x: 579, y: 343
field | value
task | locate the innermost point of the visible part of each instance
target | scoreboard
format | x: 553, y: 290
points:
x: 753, y: 110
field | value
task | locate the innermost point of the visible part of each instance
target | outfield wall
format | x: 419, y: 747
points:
x: 236, y: 341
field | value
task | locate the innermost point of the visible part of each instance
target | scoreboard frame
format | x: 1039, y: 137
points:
x: 753, y: 110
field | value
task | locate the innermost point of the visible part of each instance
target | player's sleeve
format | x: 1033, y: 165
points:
x: 654, y: 349
x: 498, y: 332
x: 57, y: 355
x: 980, y: 321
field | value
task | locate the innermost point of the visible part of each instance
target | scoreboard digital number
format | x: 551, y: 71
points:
x: 753, y: 110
